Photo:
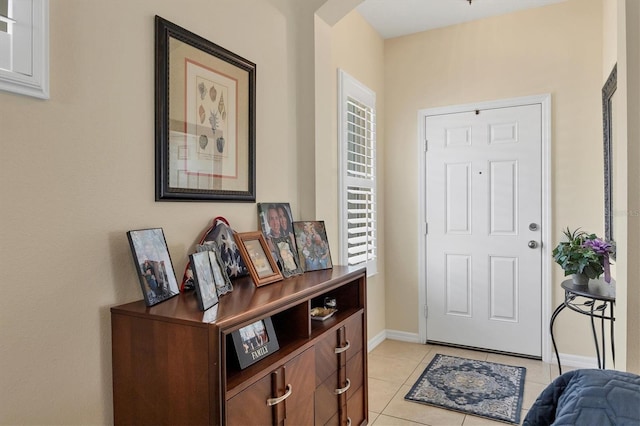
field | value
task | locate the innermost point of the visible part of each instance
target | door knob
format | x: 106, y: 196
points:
x: 532, y: 244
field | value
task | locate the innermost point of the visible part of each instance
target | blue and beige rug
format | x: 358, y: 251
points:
x: 481, y: 388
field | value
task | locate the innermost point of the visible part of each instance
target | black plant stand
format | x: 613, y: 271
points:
x: 599, y: 295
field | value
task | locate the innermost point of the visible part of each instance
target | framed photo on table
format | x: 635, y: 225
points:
x: 220, y: 277
x: 288, y: 256
x: 276, y: 221
x: 257, y: 256
x: 313, y: 246
x: 255, y: 341
x: 153, y: 264
x: 203, y: 280
x: 205, y: 119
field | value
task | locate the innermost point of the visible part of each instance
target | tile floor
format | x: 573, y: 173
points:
x: 395, y: 366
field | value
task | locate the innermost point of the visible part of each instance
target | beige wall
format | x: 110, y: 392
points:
x: 78, y: 172
x: 530, y: 52
x: 628, y: 129
x: 357, y: 49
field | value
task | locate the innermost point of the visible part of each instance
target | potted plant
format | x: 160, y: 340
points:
x: 583, y: 255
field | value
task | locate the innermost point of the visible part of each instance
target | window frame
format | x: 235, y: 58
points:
x: 349, y: 87
x: 29, y: 47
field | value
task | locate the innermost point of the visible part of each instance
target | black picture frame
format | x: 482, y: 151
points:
x: 608, y: 90
x: 205, y: 141
x: 203, y: 280
x: 255, y: 342
x: 153, y: 265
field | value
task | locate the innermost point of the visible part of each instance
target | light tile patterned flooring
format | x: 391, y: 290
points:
x: 395, y: 366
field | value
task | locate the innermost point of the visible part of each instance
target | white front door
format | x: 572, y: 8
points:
x: 483, y: 209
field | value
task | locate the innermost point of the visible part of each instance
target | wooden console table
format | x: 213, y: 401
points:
x: 174, y: 364
x: 599, y: 295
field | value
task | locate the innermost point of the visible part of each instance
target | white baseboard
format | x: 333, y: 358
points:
x: 392, y: 335
x: 375, y: 341
x: 403, y: 336
x: 576, y: 361
x: 568, y: 360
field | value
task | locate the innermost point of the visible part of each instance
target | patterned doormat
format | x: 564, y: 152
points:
x: 481, y: 388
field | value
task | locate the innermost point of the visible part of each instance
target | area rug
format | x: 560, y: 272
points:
x: 481, y: 388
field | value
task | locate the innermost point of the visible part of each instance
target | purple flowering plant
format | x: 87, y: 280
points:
x: 584, y: 253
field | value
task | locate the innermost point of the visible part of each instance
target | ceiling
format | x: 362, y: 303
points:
x: 394, y: 18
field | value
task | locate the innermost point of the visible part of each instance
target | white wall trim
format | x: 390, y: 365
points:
x: 403, y: 336
x: 567, y: 360
x: 575, y: 361
x: 376, y: 340
x: 545, y: 101
x: 36, y: 82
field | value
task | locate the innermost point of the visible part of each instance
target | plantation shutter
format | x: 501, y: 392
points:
x: 359, y: 179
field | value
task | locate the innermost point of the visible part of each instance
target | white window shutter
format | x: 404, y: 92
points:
x: 358, y: 174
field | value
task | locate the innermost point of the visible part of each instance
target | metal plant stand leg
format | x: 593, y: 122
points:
x: 595, y: 336
x: 598, y: 295
x: 553, y: 340
x: 613, y: 348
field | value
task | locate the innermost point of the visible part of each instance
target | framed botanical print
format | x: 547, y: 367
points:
x: 205, y: 119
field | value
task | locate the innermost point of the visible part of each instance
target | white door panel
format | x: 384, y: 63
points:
x: 483, y: 189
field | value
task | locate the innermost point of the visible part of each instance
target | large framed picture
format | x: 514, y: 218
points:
x: 203, y: 280
x: 258, y: 258
x: 153, y: 265
x: 254, y: 342
x: 205, y: 119
x: 313, y: 246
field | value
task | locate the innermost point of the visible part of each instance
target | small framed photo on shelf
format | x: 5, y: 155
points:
x: 313, y: 246
x: 288, y: 257
x: 153, y: 264
x: 220, y: 277
x: 257, y: 256
x: 203, y: 280
x: 254, y: 342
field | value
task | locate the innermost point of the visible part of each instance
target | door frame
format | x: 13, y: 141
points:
x: 544, y: 101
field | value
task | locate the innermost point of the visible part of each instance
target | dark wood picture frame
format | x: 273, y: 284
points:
x: 153, y: 265
x: 257, y: 256
x: 203, y: 280
x: 205, y: 140
x: 254, y: 342
x: 608, y: 91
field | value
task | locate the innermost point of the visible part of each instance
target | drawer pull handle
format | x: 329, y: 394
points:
x: 348, y: 421
x: 344, y: 389
x: 278, y: 400
x: 343, y: 348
